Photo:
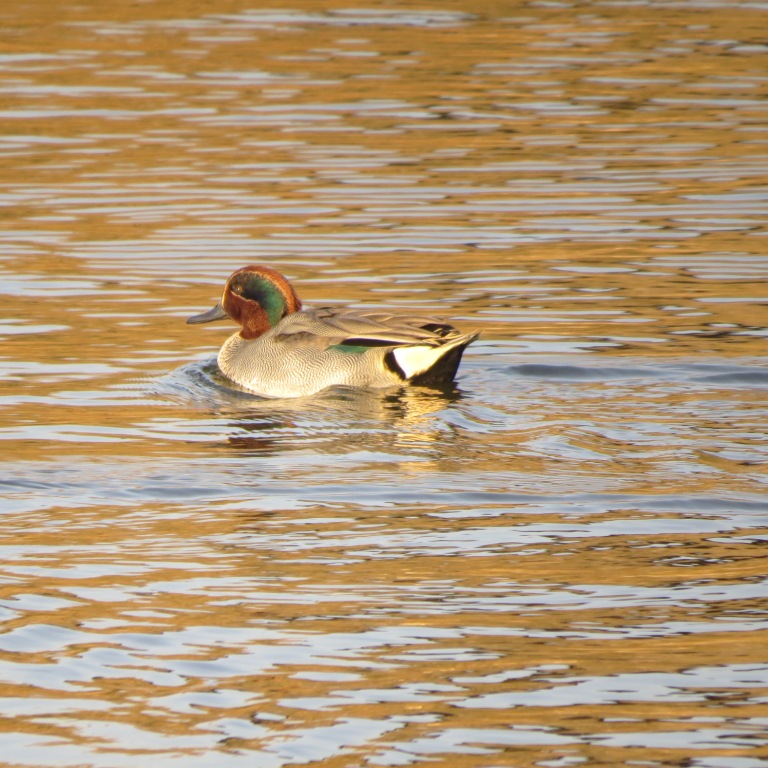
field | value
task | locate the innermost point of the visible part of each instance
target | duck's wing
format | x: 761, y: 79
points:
x: 331, y: 326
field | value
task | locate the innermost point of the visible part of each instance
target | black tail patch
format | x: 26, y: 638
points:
x: 439, y: 329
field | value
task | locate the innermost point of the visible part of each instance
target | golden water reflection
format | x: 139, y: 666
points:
x: 558, y: 563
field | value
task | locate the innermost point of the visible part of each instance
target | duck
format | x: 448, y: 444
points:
x: 283, y: 350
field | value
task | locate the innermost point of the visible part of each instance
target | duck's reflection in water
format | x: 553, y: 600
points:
x: 339, y: 419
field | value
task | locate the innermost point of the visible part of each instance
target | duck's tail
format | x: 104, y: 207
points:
x: 432, y: 365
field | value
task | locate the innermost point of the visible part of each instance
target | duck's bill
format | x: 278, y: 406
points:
x: 217, y: 313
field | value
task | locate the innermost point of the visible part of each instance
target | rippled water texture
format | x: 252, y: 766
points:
x: 562, y: 562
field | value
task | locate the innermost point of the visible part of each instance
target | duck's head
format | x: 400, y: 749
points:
x: 256, y: 298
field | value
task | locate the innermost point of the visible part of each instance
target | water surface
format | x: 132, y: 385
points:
x: 561, y: 562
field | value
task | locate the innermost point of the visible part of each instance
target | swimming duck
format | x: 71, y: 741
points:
x: 283, y: 350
